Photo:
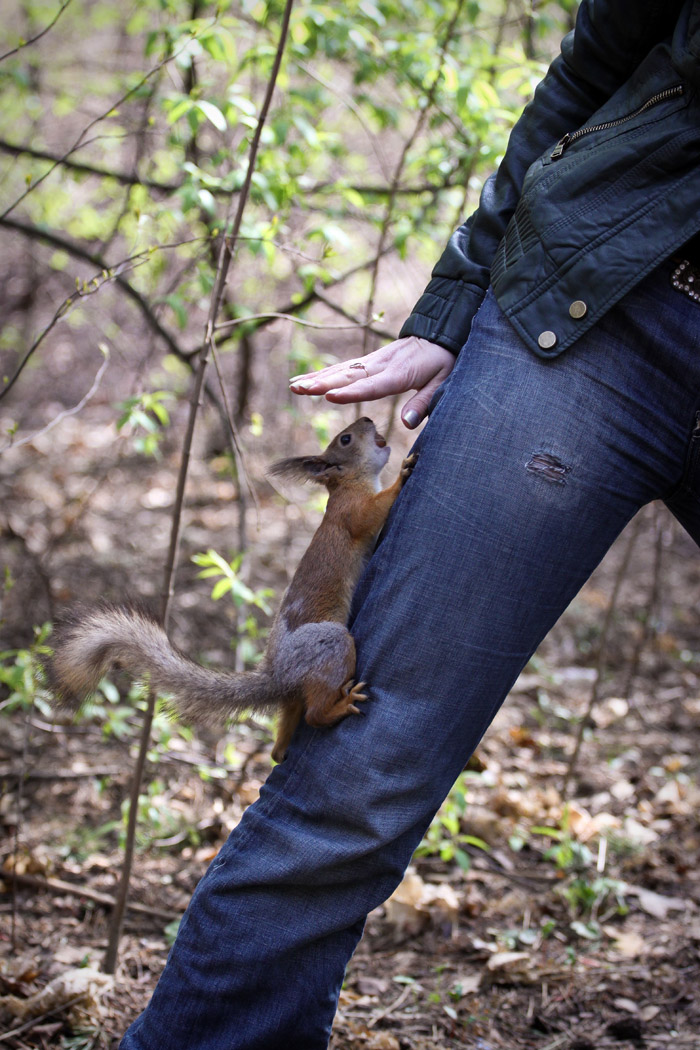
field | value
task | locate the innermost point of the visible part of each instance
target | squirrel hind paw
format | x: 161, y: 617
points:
x: 408, y: 465
x: 354, y: 694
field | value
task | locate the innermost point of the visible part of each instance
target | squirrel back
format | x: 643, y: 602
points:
x: 92, y: 640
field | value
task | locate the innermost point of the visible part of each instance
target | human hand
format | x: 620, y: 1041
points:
x: 410, y: 363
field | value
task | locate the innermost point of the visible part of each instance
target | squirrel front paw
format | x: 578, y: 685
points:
x: 408, y: 465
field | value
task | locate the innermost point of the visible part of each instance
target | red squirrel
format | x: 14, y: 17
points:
x: 308, y: 666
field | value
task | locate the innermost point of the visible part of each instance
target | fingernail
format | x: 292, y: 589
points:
x: 294, y: 378
x: 305, y: 385
x: 411, y: 418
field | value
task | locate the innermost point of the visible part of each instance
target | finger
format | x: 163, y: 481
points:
x: 328, y: 370
x: 383, y: 384
x: 416, y: 408
x: 370, y: 362
x: 335, y: 377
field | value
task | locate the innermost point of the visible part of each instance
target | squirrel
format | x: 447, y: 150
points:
x: 308, y: 667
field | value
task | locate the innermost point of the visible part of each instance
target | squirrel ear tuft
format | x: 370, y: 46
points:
x: 305, y: 468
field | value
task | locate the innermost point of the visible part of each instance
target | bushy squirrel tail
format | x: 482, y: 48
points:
x: 88, y: 644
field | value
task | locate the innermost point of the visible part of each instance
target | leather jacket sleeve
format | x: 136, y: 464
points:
x: 610, y: 40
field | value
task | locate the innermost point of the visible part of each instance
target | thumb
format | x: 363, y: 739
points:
x: 416, y: 408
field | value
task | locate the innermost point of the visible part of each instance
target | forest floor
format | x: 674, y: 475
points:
x: 577, y: 927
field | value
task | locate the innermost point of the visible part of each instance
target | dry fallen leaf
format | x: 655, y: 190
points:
x: 585, y: 827
x: 655, y: 903
x: 693, y: 930
x: 372, y: 985
x: 509, y: 968
x: 610, y: 711
x: 465, y: 984
x: 414, y: 902
x: 626, y: 1004
x: 35, y: 862
x: 638, y: 833
x: 370, y: 1040
x: 18, y: 971
x: 630, y: 944
x: 83, y: 984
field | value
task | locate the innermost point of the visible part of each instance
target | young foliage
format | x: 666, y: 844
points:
x: 140, y: 159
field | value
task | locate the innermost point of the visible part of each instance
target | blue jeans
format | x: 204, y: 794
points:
x: 528, y: 470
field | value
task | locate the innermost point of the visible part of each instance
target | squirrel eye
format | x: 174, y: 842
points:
x: 346, y: 439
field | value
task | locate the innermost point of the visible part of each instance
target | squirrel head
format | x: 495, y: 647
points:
x: 357, y: 453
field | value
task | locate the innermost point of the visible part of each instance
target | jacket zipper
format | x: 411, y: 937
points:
x: 572, y: 136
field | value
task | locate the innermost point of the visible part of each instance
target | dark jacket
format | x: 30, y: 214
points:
x: 563, y: 231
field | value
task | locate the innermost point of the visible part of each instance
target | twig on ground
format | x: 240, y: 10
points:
x: 19, y: 797
x: 652, y: 605
x: 14, y: 1032
x: 375, y: 1018
x: 602, y: 654
x: 61, y: 774
x: 73, y: 890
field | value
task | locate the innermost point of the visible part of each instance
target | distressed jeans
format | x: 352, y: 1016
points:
x: 528, y: 470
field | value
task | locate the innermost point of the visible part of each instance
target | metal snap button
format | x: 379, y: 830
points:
x: 578, y: 308
x: 546, y: 340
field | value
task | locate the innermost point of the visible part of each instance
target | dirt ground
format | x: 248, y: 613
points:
x: 571, y: 922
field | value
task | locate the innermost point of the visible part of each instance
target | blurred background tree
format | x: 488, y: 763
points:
x: 124, y: 132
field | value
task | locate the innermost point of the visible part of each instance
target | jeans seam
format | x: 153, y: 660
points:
x: 683, y: 485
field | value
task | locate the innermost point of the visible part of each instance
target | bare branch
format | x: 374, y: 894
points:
x: 338, y: 309
x: 80, y: 141
x: 106, y: 272
x: 396, y: 178
x: 377, y: 190
x: 225, y: 258
x: 124, y: 177
x: 374, y: 140
x: 272, y: 315
x: 68, y: 411
x: 312, y: 295
x: 33, y: 40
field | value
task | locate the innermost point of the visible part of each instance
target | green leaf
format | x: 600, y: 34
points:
x: 179, y: 109
x: 212, y: 113
x: 473, y: 840
x: 221, y: 588
x: 178, y: 307
x: 463, y: 859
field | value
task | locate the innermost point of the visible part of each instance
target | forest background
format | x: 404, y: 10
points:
x: 127, y: 152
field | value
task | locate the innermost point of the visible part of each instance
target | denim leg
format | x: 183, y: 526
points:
x: 528, y: 470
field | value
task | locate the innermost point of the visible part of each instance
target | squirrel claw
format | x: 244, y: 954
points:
x: 344, y: 704
x: 353, y: 693
x: 408, y: 465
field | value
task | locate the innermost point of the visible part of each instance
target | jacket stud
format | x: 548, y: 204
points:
x: 578, y: 309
